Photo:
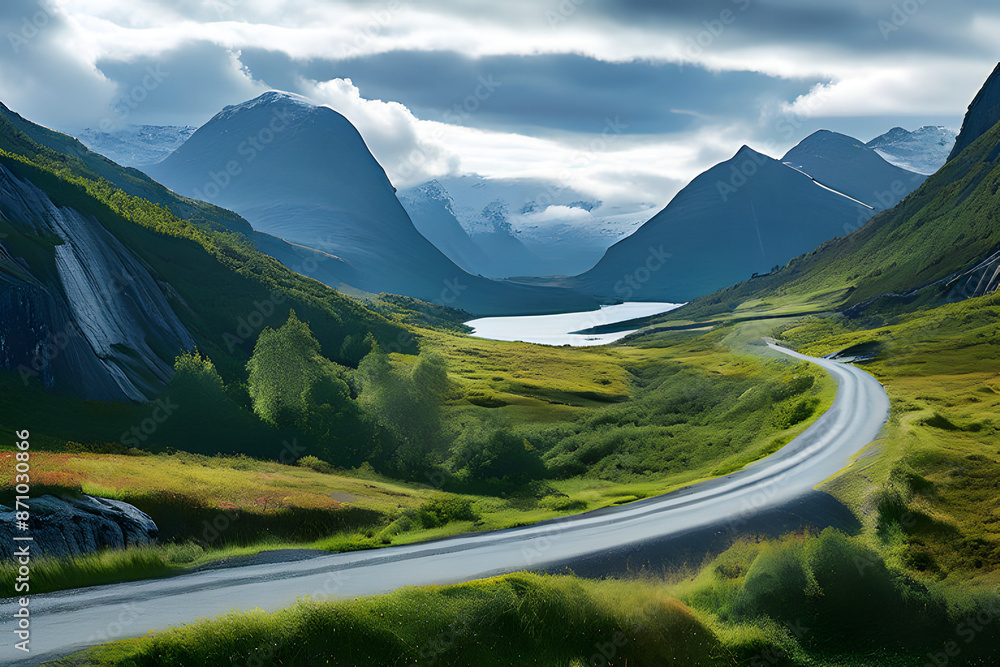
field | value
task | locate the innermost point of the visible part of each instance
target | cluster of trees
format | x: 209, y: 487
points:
x: 376, y: 413
x: 389, y: 415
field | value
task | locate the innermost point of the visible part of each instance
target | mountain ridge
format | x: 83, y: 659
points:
x: 983, y: 113
x: 923, y: 151
x: 937, y: 245
x: 745, y: 217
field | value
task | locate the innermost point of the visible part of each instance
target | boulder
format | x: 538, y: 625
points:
x: 63, y: 526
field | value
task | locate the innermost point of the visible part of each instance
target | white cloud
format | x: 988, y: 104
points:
x: 619, y: 169
x: 930, y: 88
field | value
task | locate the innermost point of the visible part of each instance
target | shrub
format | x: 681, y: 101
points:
x: 316, y: 464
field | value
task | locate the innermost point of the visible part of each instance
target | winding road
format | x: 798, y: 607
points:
x: 66, y: 621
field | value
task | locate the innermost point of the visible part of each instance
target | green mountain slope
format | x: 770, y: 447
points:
x: 19, y: 135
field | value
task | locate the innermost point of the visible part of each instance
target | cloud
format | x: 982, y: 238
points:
x: 181, y: 85
x: 408, y: 149
x: 548, y: 93
x: 903, y: 90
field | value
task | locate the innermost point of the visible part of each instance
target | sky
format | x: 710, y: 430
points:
x: 627, y: 100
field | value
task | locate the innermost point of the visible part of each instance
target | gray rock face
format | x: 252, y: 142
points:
x: 84, y: 314
x: 70, y: 526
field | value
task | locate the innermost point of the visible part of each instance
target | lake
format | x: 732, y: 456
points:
x: 555, y: 329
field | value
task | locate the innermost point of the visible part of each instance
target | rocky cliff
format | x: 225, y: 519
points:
x: 76, y: 305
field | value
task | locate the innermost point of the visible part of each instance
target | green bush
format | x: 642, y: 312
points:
x: 441, y: 511
x: 496, y: 458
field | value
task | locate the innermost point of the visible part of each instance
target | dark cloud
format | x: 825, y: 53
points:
x: 553, y: 92
x: 186, y: 85
x: 925, y: 26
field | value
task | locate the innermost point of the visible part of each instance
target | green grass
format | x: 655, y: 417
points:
x: 663, y: 411
x: 661, y: 390
x: 830, y: 599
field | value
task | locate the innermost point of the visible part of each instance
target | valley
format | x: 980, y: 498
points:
x: 471, y: 341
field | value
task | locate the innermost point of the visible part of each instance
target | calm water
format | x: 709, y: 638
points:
x: 555, y: 329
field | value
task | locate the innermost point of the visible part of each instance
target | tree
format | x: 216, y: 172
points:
x: 405, y: 405
x: 287, y: 371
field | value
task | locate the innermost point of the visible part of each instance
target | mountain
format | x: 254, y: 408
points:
x: 940, y: 244
x: 743, y: 216
x: 848, y: 166
x: 303, y: 173
x: 100, y: 290
x: 923, y: 151
x: 983, y: 114
x: 136, y: 145
x: 525, y: 226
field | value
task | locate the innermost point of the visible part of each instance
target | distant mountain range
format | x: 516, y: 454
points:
x: 136, y: 145
x: 340, y: 221
x: 848, y: 166
x: 517, y: 227
x: 303, y: 173
x: 923, y: 151
x: 748, y: 216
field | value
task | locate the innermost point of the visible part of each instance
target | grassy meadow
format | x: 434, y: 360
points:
x: 913, y: 582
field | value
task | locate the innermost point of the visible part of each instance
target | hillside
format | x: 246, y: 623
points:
x: 19, y: 135
x: 943, y: 229
x: 983, y: 114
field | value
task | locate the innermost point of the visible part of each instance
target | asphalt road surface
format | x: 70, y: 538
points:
x: 63, y: 622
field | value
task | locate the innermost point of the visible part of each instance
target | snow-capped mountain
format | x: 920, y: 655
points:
x: 848, y: 166
x: 923, y: 151
x: 525, y: 226
x: 136, y: 145
x: 303, y: 173
x: 432, y: 211
x: 747, y: 215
